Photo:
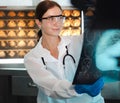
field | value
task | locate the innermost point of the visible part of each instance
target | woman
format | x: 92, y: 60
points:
x: 45, y: 64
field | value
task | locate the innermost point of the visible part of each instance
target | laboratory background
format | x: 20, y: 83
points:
x: 18, y: 36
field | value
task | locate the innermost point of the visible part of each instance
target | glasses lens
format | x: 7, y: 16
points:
x: 62, y: 18
x: 58, y: 18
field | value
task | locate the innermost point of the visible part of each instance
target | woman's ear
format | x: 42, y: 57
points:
x: 38, y: 23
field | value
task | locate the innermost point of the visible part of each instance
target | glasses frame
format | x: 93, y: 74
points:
x: 49, y: 17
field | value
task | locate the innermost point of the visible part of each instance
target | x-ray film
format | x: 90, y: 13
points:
x: 100, y: 57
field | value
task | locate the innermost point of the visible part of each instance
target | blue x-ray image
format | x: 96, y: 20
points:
x: 108, y: 51
x: 108, y: 55
x: 100, y: 57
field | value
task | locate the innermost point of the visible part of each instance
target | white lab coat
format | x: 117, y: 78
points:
x: 53, y: 81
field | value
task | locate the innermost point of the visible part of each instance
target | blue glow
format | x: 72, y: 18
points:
x: 107, y: 51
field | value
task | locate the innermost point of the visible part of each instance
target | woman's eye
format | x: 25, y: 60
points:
x: 51, y: 18
x: 61, y: 17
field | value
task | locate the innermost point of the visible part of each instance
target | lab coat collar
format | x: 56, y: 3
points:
x: 42, y: 52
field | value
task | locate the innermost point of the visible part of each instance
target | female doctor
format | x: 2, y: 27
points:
x: 49, y: 67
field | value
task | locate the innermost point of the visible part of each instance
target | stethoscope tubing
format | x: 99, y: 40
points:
x: 67, y: 54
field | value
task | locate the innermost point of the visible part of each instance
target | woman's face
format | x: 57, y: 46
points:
x: 52, y: 22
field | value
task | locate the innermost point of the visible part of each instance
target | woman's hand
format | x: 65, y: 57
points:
x: 91, y: 89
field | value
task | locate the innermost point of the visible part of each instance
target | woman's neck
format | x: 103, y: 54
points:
x: 51, y: 44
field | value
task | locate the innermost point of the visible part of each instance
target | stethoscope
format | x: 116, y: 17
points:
x: 66, y: 55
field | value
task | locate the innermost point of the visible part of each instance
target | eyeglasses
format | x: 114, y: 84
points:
x: 56, y: 18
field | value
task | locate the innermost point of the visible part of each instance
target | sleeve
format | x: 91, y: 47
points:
x: 44, y: 79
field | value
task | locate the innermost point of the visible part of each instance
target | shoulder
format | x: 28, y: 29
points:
x: 29, y: 55
x: 34, y: 52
